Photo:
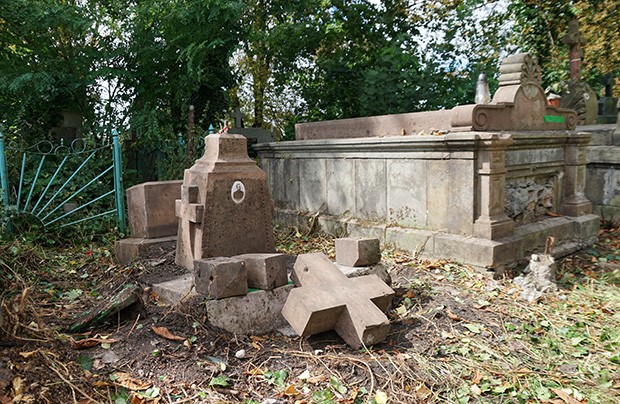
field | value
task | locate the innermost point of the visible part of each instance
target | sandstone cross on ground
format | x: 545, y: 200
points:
x: 328, y: 300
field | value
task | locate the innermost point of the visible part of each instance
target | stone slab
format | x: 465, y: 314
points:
x: 257, y: 312
x: 150, y: 209
x: 265, y: 271
x: 130, y: 249
x: 357, y: 252
x: 369, y: 186
x: 312, y: 184
x: 340, y: 200
x: 177, y: 290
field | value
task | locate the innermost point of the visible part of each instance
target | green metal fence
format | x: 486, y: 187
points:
x: 63, y: 185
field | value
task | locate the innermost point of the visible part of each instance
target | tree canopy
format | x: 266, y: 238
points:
x: 139, y: 65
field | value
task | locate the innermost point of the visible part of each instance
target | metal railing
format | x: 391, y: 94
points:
x: 63, y: 185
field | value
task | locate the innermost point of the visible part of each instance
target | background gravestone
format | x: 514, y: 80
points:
x: 579, y: 96
x: 607, y: 112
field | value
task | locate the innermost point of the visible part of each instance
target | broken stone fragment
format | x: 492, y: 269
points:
x: 538, y: 278
x: 265, y: 271
x: 220, y: 277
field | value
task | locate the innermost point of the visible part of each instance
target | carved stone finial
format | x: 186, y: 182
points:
x: 519, y: 69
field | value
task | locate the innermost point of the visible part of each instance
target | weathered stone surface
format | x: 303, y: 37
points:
x: 328, y: 300
x: 518, y: 104
x: 130, y: 249
x: 580, y: 96
x: 370, y: 193
x: 312, y: 184
x: 265, y: 271
x: 220, y: 277
x: 340, y: 200
x: 178, y: 290
x: 607, y: 112
x: 407, y: 192
x: 539, y: 278
x: 150, y: 209
x: 357, y: 252
x: 225, y: 208
x: 257, y: 312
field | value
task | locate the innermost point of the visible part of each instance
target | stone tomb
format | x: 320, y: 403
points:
x: 225, y: 208
x: 519, y: 104
x: 440, y: 183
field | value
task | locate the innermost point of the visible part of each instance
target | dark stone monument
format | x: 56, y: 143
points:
x: 607, y: 112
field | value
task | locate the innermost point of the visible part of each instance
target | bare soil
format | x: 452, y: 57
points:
x: 438, y: 305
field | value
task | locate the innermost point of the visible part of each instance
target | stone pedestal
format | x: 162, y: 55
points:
x: 492, y: 222
x: 575, y: 202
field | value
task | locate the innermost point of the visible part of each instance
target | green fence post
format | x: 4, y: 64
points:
x: 118, y: 182
x: 4, y: 182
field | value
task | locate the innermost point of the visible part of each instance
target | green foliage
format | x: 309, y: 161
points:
x: 177, y: 55
x: 47, y: 50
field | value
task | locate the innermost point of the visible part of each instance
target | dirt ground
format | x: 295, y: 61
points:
x: 451, y: 327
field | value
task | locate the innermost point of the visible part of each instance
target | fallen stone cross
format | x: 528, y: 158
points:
x: 326, y: 299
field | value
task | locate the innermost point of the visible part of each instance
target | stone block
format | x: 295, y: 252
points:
x: 357, y: 252
x: 130, y: 249
x: 586, y: 227
x: 366, y: 230
x: 417, y: 242
x: 265, y: 271
x: 476, y: 251
x: 151, y: 208
x: 328, y: 300
x: 257, y: 312
x: 220, y: 277
x: 333, y: 226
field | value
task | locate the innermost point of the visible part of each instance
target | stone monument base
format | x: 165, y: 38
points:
x: 571, y: 233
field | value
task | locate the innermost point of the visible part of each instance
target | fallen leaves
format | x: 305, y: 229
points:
x: 165, y: 333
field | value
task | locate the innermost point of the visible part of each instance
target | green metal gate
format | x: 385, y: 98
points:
x: 62, y: 185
